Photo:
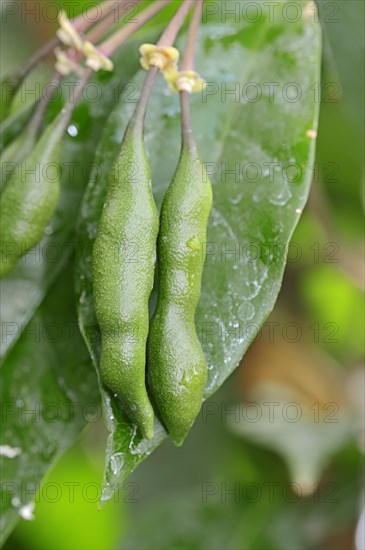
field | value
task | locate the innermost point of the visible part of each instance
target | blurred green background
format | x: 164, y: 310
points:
x: 274, y: 482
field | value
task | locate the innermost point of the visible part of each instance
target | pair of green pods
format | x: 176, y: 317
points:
x: 123, y: 282
x: 30, y: 193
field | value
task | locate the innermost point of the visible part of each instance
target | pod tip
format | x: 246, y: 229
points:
x: 149, y: 434
x: 178, y: 438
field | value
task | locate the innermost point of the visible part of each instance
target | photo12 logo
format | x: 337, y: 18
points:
x: 271, y: 11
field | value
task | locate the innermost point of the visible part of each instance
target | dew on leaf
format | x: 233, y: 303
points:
x: 280, y: 197
x: 117, y: 462
x: 10, y: 452
x: 26, y: 511
x: 72, y: 130
x: 246, y: 311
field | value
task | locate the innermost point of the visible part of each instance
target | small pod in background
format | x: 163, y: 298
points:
x: 14, y: 154
x: 124, y: 257
x: 30, y: 197
x: 177, y: 370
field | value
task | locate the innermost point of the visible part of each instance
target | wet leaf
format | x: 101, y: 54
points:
x: 258, y: 147
x: 48, y: 394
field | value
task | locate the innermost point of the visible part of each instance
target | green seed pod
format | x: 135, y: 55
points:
x: 14, y: 125
x: 29, y: 198
x: 176, y: 364
x: 124, y: 257
x: 14, y: 154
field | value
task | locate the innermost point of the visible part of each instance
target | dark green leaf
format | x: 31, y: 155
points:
x: 267, y: 141
x: 48, y: 389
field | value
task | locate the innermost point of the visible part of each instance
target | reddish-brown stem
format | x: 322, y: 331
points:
x: 70, y: 106
x: 188, y: 63
x: 168, y: 37
x: 139, y: 114
x: 109, y: 46
x: 93, y: 15
x: 37, y: 118
x: 186, y: 128
x: 97, y: 32
x: 39, y: 56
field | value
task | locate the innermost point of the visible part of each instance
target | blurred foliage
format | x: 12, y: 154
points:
x: 66, y: 505
x: 340, y: 321
x: 340, y: 145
